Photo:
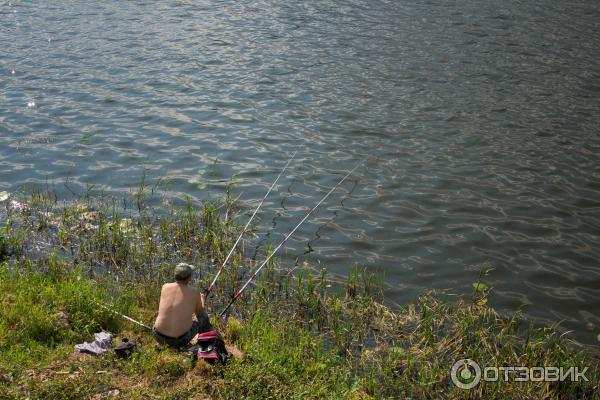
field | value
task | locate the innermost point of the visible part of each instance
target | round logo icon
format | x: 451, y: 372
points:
x: 465, y: 373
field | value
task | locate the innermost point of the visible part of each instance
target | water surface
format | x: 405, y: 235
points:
x: 478, y: 122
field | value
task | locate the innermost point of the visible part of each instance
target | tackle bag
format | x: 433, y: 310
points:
x: 211, y: 348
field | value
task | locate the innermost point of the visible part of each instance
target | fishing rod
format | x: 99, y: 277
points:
x: 239, y: 292
x: 122, y: 315
x: 211, y: 286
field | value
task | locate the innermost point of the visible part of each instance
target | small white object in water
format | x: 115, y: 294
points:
x: 12, y: 71
x: 19, y: 207
x: 4, y: 196
x: 31, y: 104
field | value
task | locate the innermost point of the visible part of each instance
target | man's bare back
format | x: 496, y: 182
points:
x: 178, y: 302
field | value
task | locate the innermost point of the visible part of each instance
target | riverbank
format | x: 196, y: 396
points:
x: 304, y: 335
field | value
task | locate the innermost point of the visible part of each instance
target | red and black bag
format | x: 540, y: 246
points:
x: 211, y: 348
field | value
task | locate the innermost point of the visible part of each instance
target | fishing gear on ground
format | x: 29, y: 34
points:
x: 210, y: 347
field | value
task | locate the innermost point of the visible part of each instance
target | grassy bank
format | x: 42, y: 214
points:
x: 303, y: 333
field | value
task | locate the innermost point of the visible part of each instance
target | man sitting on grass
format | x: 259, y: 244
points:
x: 174, y: 325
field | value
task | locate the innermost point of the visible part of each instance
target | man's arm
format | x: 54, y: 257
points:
x: 200, y: 306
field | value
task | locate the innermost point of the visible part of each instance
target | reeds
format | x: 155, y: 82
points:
x: 305, y: 335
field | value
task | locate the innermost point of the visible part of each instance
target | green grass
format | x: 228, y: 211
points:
x: 303, y: 335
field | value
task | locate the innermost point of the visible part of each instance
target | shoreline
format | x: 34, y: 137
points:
x: 303, y: 335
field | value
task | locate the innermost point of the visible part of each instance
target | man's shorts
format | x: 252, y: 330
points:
x: 200, y: 325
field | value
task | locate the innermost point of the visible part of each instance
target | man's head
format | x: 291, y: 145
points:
x: 183, y: 272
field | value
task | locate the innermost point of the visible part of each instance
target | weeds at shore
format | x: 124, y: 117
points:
x: 304, y: 336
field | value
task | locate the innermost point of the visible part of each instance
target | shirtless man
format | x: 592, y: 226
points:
x: 178, y: 301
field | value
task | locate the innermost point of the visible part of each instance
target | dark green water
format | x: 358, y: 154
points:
x: 482, y: 120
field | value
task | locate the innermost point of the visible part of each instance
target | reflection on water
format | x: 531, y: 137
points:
x: 481, y: 118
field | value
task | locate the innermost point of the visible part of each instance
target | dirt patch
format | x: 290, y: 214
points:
x: 235, y: 352
x: 61, y: 318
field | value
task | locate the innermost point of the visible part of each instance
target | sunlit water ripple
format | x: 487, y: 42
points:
x: 480, y: 120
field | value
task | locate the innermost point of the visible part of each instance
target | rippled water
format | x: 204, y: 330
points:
x: 481, y: 120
